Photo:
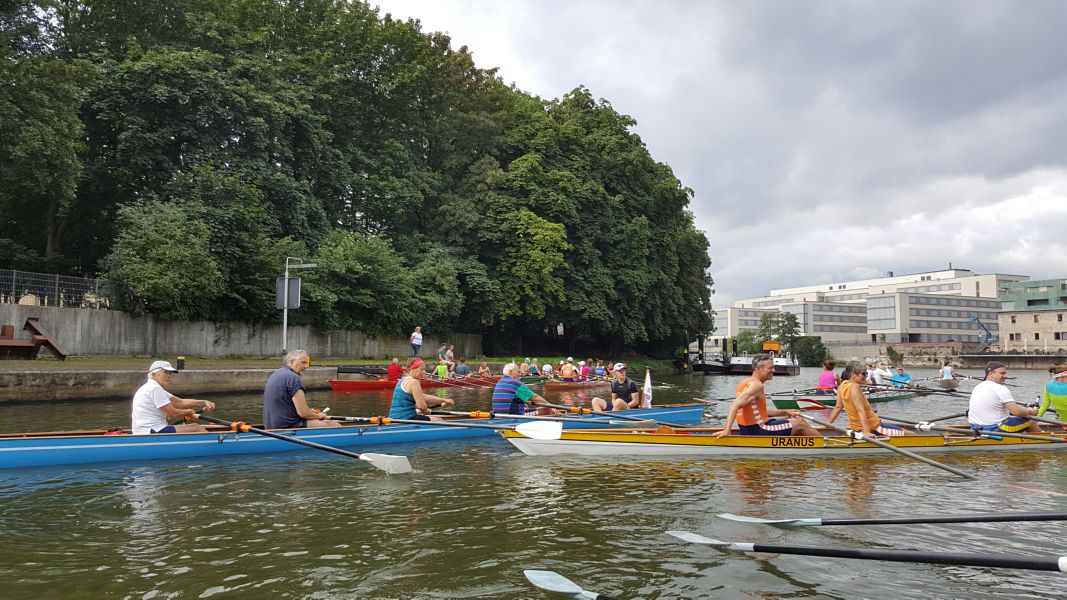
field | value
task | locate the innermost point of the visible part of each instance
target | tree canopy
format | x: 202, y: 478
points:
x: 183, y: 148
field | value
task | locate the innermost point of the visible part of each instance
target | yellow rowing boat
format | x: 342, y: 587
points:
x: 699, y: 441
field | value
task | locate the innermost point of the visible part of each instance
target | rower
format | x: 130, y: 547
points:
x: 513, y: 397
x: 568, y: 372
x: 284, y: 403
x: 993, y: 408
x: 441, y: 371
x: 750, y: 407
x: 624, y: 392
x: 153, y: 405
x: 1055, y: 394
x: 409, y: 401
x: 394, y: 371
x: 854, y: 402
x: 900, y: 378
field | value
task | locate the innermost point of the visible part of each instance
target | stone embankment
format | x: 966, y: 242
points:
x: 50, y: 385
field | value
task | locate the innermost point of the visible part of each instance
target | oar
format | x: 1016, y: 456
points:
x: 551, y: 581
x: 996, y: 435
x: 538, y: 430
x: 612, y: 415
x: 975, y: 518
x: 1000, y: 561
x: 500, y: 415
x: 389, y: 463
x: 859, y: 435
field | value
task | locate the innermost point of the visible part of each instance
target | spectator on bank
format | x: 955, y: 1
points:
x: 416, y: 341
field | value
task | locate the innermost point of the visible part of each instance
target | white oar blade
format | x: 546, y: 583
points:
x: 551, y: 581
x: 696, y: 538
x: 391, y: 464
x: 541, y: 430
x: 744, y: 519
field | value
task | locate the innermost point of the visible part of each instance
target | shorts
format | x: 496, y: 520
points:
x: 771, y: 427
x: 889, y: 430
x: 167, y: 429
x: 1012, y: 424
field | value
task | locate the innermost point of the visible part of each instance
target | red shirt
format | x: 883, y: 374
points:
x: 394, y: 371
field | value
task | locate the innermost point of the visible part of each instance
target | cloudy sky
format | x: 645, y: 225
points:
x: 824, y: 141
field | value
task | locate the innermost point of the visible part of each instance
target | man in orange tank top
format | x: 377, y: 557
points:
x: 750, y: 407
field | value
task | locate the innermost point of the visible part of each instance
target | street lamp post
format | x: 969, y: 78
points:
x: 299, y: 264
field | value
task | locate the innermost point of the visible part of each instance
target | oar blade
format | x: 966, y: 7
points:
x: 551, y: 581
x: 390, y: 463
x: 746, y: 519
x: 541, y: 430
x: 696, y: 538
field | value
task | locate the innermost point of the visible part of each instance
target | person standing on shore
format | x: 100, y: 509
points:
x: 416, y: 341
x: 284, y: 403
x: 153, y: 405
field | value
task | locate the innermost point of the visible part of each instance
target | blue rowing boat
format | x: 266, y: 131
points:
x: 81, y: 447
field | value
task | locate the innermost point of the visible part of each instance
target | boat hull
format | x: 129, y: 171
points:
x: 699, y: 442
x: 570, y: 386
x: 366, y: 385
x: 36, y: 450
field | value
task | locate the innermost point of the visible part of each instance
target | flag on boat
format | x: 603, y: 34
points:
x: 646, y: 398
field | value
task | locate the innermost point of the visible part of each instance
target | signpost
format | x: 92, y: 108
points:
x: 287, y: 294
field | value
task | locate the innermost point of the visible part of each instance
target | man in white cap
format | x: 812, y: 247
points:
x: 625, y: 394
x: 993, y: 408
x: 568, y: 372
x: 153, y: 405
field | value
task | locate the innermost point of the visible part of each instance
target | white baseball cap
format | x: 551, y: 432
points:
x: 570, y: 359
x: 561, y: 362
x: 527, y: 359
x: 581, y: 363
x: 162, y: 364
x: 620, y: 367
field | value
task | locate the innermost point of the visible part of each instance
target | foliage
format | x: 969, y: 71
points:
x: 162, y: 261
x: 428, y: 191
x: 781, y: 326
x: 895, y: 358
x: 748, y: 341
x: 810, y: 351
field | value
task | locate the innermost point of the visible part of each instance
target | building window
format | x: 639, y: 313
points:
x: 1013, y: 319
x: 1037, y: 336
x: 1059, y: 318
x: 1036, y: 318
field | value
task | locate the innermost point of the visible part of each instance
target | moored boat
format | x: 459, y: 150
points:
x: 700, y: 442
x: 817, y: 401
x: 79, y: 447
x: 783, y: 365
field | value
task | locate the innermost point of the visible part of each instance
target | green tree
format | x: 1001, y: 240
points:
x: 162, y: 261
x: 781, y: 326
x: 748, y: 341
x: 810, y: 351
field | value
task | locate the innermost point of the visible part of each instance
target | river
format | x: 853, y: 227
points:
x: 476, y: 513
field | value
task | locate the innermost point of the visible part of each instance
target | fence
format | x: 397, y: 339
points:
x: 42, y: 289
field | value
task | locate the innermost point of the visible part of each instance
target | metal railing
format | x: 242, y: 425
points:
x: 45, y: 289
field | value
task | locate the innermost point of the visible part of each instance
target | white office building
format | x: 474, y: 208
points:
x: 938, y: 306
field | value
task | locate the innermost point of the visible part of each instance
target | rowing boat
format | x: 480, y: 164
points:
x: 77, y: 447
x: 699, y: 441
x: 569, y: 386
x: 809, y: 401
x: 948, y: 384
x: 364, y: 385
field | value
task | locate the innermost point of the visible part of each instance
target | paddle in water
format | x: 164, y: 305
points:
x: 393, y: 465
x: 974, y: 518
x: 551, y: 581
x: 1000, y: 561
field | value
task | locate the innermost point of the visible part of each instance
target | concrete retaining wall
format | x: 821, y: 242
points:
x: 87, y: 332
x: 26, y: 386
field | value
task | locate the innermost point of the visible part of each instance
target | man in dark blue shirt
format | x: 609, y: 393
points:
x: 284, y: 404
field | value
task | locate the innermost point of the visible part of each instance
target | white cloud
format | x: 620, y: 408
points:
x: 824, y: 140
